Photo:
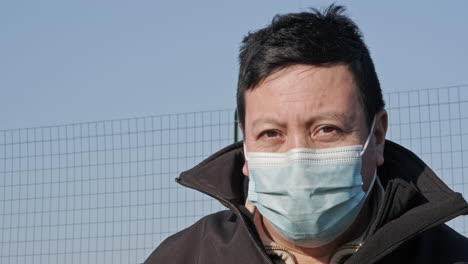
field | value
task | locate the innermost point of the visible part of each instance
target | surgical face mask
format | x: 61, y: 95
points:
x: 310, y: 196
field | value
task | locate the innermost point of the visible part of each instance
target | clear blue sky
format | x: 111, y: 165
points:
x: 73, y: 61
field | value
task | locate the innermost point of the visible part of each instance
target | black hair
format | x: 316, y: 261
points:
x: 317, y: 38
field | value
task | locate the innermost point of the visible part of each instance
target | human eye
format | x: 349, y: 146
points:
x: 328, y: 132
x: 270, y: 134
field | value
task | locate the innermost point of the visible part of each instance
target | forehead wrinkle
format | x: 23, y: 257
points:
x: 292, y: 92
x: 271, y: 77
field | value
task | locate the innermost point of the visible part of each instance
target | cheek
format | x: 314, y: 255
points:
x: 368, y: 168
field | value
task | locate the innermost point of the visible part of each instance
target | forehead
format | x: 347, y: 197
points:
x: 304, y: 91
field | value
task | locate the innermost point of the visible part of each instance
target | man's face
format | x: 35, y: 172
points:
x: 305, y: 106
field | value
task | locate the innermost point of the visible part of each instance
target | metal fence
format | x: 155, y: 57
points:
x: 104, y: 192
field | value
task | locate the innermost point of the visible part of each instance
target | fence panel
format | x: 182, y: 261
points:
x: 104, y: 192
x: 433, y: 124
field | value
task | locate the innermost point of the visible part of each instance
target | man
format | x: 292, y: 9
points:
x: 315, y: 181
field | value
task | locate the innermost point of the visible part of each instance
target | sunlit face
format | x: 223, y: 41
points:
x: 305, y: 106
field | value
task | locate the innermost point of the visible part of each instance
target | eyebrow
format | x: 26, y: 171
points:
x: 345, y: 119
x: 266, y: 120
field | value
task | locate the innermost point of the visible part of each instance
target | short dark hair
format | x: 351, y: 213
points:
x: 317, y: 38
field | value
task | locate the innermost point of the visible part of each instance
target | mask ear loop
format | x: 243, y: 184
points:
x: 374, y: 178
x: 369, y: 137
x: 245, y: 152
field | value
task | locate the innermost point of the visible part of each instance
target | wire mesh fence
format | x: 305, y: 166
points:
x: 433, y: 124
x: 104, y: 192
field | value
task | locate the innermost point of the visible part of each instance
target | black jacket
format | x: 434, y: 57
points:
x: 410, y: 228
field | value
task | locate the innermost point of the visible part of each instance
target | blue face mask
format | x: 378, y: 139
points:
x: 310, y: 196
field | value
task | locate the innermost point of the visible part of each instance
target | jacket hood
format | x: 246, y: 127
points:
x: 415, y: 198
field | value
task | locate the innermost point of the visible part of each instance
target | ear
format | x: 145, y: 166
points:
x: 380, y: 131
x: 245, y: 168
x: 241, y: 127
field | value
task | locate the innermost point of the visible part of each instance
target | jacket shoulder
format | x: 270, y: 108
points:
x: 445, y: 245
x: 190, y: 244
x: 440, y: 244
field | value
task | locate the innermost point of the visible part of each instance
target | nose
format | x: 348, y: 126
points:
x: 299, y: 139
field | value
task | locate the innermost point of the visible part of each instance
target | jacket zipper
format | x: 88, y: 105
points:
x: 285, y: 250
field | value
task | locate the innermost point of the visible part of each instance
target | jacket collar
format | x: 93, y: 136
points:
x: 415, y: 198
x: 220, y: 176
x: 415, y: 201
